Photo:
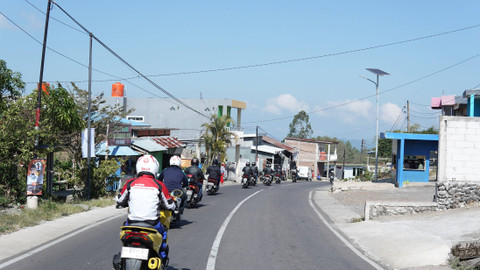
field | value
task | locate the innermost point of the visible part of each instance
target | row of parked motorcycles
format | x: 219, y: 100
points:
x: 141, y: 242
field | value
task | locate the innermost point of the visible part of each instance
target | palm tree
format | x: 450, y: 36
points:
x: 216, y: 136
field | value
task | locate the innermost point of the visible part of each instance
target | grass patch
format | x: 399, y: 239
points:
x: 355, y: 220
x: 47, y: 210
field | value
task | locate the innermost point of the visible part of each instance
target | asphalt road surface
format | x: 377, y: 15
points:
x: 256, y: 228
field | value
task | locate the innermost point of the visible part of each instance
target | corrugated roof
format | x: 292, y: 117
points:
x: 278, y: 144
x: 311, y: 140
x: 114, y: 150
x: 148, y: 144
x: 168, y: 142
x: 268, y: 149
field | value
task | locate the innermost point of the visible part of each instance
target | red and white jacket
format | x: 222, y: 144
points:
x: 145, y: 196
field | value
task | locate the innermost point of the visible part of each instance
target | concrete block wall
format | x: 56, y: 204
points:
x: 459, y: 149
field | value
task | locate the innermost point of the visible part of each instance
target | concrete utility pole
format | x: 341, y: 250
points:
x: 256, y: 145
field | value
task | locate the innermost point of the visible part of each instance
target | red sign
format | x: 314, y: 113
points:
x: 323, y: 156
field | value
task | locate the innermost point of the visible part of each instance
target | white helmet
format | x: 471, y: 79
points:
x: 147, y: 163
x: 175, y: 161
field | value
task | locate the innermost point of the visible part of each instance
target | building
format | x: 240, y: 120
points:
x: 316, y: 154
x: 268, y: 150
x: 183, y: 123
x: 414, y: 157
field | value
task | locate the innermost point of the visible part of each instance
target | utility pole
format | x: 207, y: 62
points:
x: 89, y: 132
x: 343, y: 171
x: 256, y: 145
x: 40, y: 80
x: 408, y: 116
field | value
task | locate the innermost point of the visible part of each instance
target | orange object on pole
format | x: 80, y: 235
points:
x: 45, y: 87
x: 118, y: 89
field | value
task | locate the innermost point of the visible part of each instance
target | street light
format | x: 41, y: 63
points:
x: 379, y: 73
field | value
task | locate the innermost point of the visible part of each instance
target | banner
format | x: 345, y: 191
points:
x: 85, y: 143
x: 36, y: 171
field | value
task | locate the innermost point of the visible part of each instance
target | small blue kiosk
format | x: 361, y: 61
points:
x: 411, y: 155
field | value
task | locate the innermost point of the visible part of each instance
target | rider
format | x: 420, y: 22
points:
x: 247, y: 170
x: 174, y: 178
x: 197, y: 175
x: 214, y: 172
x: 146, y: 196
x: 255, y: 171
x: 268, y: 170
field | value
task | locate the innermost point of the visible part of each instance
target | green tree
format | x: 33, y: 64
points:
x: 300, y: 126
x: 11, y: 86
x: 17, y: 136
x: 216, y: 137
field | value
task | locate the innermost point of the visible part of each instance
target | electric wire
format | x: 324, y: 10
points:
x: 128, y: 64
x: 79, y: 63
x: 294, y: 59
x: 373, y: 95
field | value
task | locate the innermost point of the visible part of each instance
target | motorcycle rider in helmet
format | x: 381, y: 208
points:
x: 255, y: 171
x: 268, y: 170
x: 146, y: 196
x: 247, y: 170
x: 174, y: 178
x: 197, y: 175
x: 214, y: 172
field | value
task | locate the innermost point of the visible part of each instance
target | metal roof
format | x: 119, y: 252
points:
x: 268, y: 149
x: 147, y: 144
x: 168, y: 142
x: 279, y: 144
x: 114, y: 150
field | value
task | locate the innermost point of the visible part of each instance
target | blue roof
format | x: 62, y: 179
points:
x: 409, y: 136
x: 115, y: 150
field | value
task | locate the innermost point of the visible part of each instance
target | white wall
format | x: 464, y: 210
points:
x: 459, y: 149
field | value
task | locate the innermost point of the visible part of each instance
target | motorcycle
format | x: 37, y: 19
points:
x: 211, y: 187
x: 176, y: 216
x: 278, y: 178
x: 246, y: 180
x: 267, y: 180
x: 141, y: 243
x: 332, y: 177
x: 294, y: 176
x: 192, y: 192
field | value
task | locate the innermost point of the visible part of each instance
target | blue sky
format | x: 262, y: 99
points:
x: 165, y: 37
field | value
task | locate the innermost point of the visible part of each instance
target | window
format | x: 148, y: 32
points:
x: 135, y: 118
x: 414, y: 163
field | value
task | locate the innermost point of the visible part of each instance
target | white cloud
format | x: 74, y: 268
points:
x: 350, y: 111
x: 5, y: 24
x: 389, y: 113
x: 285, y: 102
x: 34, y: 22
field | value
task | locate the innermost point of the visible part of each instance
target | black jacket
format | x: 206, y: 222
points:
x: 196, y: 172
x: 214, y: 172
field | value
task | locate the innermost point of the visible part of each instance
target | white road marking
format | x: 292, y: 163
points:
x: 212, y: 258
x: 29, y: 253
x: 345, y: 241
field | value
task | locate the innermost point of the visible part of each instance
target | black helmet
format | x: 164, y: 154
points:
x: 195, y: 162
x: 254, y: 164
x: 247, y: 164
x: 215, y: 162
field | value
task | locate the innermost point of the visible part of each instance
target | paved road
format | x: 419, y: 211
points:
x: 275, y: 228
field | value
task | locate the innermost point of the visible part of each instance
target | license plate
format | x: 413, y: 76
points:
x: 135, y: 253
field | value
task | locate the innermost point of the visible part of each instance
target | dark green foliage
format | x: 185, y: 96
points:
x: 300, y: 126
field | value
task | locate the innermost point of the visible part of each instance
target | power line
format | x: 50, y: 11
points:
x: 366, y: 97
x: 398, y: 118
x: 76, y: 29
x: 128, y: 64
x: 294, y: 59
